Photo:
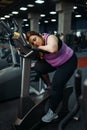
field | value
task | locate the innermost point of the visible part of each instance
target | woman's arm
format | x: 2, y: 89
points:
x: 52, y: 44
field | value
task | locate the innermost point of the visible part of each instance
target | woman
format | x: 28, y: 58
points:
x: 59, y: 58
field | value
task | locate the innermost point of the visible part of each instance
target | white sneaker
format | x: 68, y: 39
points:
x: 49, y: 116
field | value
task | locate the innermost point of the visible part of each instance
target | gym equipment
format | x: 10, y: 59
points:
x: 29, y: 104
x: 10, y: 78
x: 4, y: 52
x: 9, y: 55
x: 83, y: 101
x: 73, y: 112
x: 32, y: 107
x: 3, y: 63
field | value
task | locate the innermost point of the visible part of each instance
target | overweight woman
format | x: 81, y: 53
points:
x: 61, y: 59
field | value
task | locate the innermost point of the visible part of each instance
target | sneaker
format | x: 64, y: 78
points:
x: 49, y: 116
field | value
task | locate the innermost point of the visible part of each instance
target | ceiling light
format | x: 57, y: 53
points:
x: 52, y: 12
x: 45, y: 21
x: 30, y: 5
x: 14, y: 12
x: 75, y: 7
x: 26, y: 25
x: 42, y: 15
x: 53, y: 20
x: 39, y: 1
x: 23, y: 8
x: 25, y: 20
x: 78, y: 16
x: 7, y: 16
x: 2, y: 18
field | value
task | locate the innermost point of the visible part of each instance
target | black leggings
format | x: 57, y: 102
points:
x: 62, y: 74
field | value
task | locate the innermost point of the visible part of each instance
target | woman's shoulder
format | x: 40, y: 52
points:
x: 52, y: 36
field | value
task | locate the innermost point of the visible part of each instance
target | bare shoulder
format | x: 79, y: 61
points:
x: 52, y: 37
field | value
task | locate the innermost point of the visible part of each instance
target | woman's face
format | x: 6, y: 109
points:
x: 36, y: 40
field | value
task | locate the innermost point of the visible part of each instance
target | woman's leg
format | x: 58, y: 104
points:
x: 61, y: 77
x: 43, y: 68
x: 46, y: 79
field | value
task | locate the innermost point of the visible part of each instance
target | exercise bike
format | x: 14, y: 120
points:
x: 10, y: 76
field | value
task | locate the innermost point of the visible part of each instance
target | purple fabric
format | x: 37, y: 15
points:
x: 60, y: 57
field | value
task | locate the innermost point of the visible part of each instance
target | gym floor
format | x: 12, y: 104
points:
x: 8, y: 109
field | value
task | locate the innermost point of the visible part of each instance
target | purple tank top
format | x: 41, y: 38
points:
x: 60, y: 57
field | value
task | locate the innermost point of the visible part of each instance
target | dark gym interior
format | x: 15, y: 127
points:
x: 24, y: 98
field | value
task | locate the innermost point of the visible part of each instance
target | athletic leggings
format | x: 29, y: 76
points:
x: 61, y: 76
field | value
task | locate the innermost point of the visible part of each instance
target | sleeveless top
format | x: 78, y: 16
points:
x: 60, y: 57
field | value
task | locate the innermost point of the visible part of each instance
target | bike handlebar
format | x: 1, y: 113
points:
x: 22, y: 43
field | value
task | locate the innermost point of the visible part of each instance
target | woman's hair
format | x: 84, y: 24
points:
x: 30, y: 33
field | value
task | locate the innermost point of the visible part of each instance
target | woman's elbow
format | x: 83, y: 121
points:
x: 53, y: 50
